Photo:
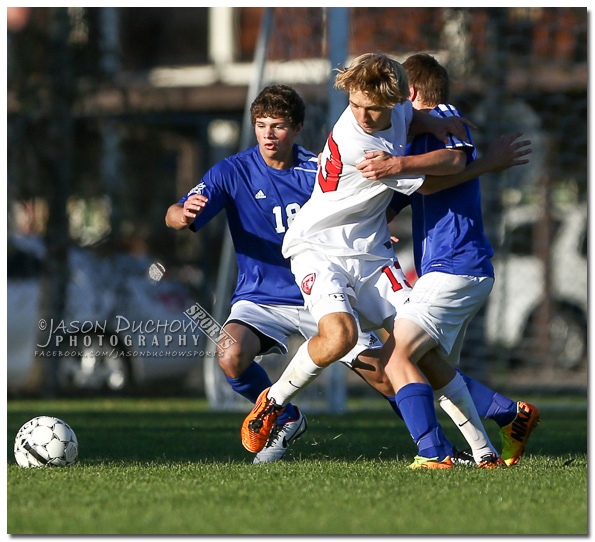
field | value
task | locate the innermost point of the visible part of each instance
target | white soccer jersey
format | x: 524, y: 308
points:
x: 345, y: 215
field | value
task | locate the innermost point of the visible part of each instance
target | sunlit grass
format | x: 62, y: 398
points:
x: 169, y: 466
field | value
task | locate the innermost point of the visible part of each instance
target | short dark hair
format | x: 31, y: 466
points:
x: 429, y: 78
x: 279, y: 101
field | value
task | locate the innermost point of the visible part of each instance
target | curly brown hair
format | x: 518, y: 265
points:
x: 279, y: 101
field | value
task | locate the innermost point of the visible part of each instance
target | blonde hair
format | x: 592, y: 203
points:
x: 379, y: 77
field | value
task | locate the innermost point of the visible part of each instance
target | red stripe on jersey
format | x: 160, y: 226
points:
x: 332, y: 167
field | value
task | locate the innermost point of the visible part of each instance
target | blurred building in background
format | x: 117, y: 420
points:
x: 115, y: 113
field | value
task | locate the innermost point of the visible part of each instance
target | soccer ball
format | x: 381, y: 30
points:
x: 46, y: 441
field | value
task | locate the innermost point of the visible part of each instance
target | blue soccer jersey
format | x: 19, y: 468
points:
x: 260, y: 203
x: 447, y: 226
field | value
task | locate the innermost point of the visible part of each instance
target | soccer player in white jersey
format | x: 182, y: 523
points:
x: 261, y: 190
x: 341, y: 254
x: 452, y: 257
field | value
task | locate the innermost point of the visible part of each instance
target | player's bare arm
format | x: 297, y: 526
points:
x: 181, y: 216
x: 502, y: 154
x: 423, y: 122
x: 380, y: 164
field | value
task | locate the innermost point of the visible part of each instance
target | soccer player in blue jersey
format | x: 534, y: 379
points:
x: 261, y: 190
x: 452, y: 257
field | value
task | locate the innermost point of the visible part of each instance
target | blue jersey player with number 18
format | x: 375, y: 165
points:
x: 261, y: 189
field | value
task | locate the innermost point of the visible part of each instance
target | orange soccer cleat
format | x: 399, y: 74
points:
x: 491, y: 461
x: 431, y: 463
x: 260, y: 422
x: 516, y: 434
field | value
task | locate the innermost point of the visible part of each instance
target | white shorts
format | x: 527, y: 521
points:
x: 376, y: 289
x: 278, y: 322
x: 443, y: 305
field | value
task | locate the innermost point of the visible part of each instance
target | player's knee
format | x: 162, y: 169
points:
x: 338, y: 337
x: 339, y: 347
x: 369, y: 367
x: 404, y: 349
x: 232, y: 361
x: 410, y: 340
x: 382, y: 385
x: 379, y: 381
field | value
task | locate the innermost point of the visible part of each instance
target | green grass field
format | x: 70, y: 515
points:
x: 169, y: 466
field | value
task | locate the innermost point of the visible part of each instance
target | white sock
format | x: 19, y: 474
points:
x: 298, y: 374
x: 455, y: 400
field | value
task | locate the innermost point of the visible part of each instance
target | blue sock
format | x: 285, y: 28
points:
x: 490, y: 404
x: 393, y: 403
x: 252, y: 382
x: 416, y: 403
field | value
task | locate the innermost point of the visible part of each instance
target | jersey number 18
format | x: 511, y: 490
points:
x: 290, y: 211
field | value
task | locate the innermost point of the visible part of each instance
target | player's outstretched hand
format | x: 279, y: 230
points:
x: 193, y: 206
x: 507, y: 152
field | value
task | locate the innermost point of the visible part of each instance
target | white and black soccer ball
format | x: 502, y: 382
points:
x: 46, y: 441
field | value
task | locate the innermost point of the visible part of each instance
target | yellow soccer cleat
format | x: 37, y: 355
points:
x: 516, y: 434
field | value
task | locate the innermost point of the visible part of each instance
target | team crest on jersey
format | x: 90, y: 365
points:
x: 308, y: 282
x: 260, y: 195
x: 197, y: 189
